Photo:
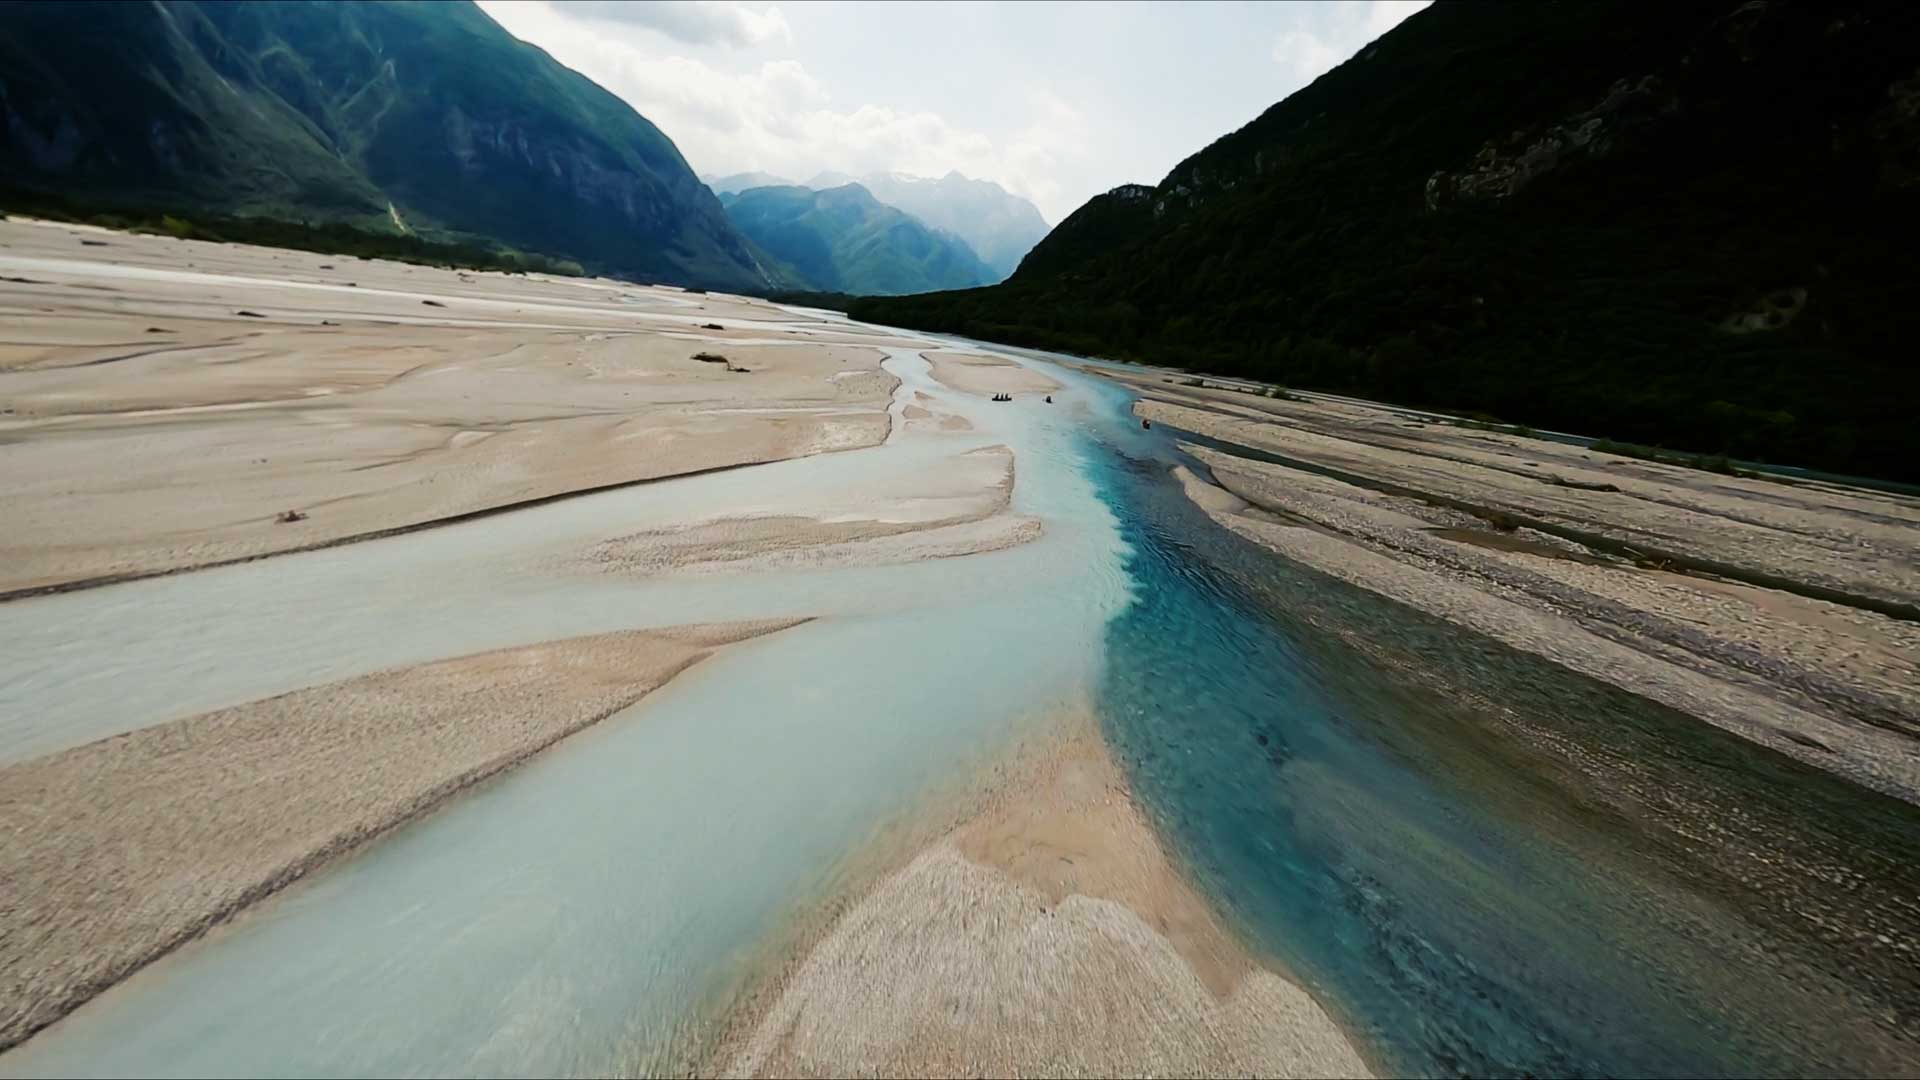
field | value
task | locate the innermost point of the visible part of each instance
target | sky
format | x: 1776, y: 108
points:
x: 1054, y: 101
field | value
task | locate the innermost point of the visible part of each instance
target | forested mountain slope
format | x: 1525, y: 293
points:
x: 402, y: 116
x: 1687, y: 224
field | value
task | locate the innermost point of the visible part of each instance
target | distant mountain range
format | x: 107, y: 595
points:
x: 396, y: 116
x: 430, y: 120
x: 1691, y: 225
x: 842, y: 239
x: 739, y: 182
x: 999, y: 226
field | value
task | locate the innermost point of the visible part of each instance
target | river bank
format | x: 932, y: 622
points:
x: 1766, y: 608
x: 1481, y: 861
x: 689, y: 832
x: 1121, y: 786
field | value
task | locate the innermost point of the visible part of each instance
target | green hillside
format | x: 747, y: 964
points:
x: 1689, y: 225
x: 421, y: 117
x: 844, y: 240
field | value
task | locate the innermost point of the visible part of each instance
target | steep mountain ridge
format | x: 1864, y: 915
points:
x: 412, y: 115
x: 997, y: 225
x: 843, y: 239
x: 1000, y: 226
x: 1683, y: 224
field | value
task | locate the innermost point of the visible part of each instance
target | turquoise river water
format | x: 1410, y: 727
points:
x: 1479, y: 862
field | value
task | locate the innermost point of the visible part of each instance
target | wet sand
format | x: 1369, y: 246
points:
x: 973, y: 373
x: 1048, y: 934
x: 1593, y: 562
x: 961, y: 507
x: 122, y: 850
x: 924, y: 413
x: 164, y: 402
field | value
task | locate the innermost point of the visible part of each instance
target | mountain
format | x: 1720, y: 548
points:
x: 739, y: 182
x: 844, y: 240
x: 1000, y: 226
x: 1687, y: 224
x: 413, y: 116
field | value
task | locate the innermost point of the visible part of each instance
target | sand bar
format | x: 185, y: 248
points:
x: 974, y: 373
x: 163, y: 402
x: 959, y: 507
x: 924, y: 413
x: 1426, y: 513
x: 122, y: 850
x: 1853, y: 540
x: 1048, y: 934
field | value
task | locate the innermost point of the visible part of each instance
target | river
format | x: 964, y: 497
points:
x: 1479, y: 862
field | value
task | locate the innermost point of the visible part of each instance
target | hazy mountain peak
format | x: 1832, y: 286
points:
x: 843, y: 239
x: 738, y: 182
x: 999, y: 226
x: 829, y: 179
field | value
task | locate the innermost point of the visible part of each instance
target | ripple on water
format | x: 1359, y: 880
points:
x: 1481, y: 863
x: 1486, y: 864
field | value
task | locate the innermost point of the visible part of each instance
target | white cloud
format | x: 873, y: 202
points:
x: 1053, y: 101
x: 1384, y: 15
x: 692, y: 22
x: 778, y: 118
x: 1304, y: 55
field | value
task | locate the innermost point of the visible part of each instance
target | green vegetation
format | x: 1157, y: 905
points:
x: 1686, y: 225
x: 1279, y: 393
x: 1479, y: 421
x: 332, y: 238
x: 1714, y: 463
x: 825, y: 301
x: 404, y: 118
x: 845, y: 240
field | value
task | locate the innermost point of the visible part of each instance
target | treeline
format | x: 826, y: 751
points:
x: 329, y: 238
x: 1620, y: 340
x: 827, y: 301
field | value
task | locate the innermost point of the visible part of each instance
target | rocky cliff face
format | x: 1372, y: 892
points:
x: 1503, y: 167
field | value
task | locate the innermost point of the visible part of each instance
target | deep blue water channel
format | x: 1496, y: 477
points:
x: 1482, y: 863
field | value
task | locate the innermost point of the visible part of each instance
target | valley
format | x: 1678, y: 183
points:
x: 908, y: 680
x: 570, y: 614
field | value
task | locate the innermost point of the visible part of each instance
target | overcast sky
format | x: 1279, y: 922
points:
x: 1055, y: 101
